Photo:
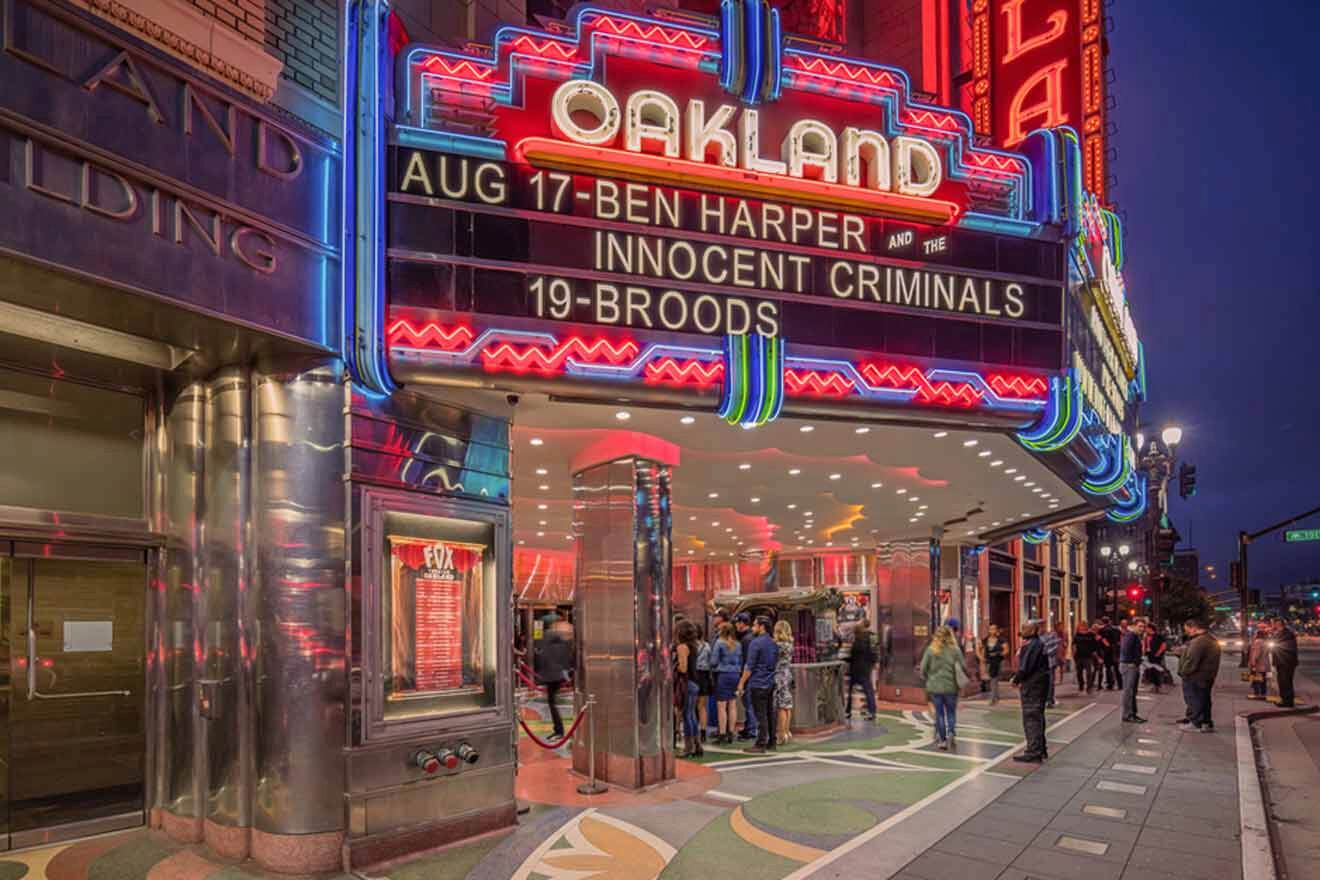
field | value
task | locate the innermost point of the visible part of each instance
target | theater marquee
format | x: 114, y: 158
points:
x: 646, y: 199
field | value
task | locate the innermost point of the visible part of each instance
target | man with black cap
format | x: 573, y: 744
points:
x: 742, y: 623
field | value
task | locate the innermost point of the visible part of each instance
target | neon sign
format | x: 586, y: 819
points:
x: 1040, y: 64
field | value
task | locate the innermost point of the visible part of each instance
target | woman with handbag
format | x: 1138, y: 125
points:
x: 942, y: 668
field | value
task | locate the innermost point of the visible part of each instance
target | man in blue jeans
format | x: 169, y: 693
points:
x: 758, y: 679
x: 742, y: 622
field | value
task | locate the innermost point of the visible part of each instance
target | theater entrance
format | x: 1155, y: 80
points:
x: 73, y: 738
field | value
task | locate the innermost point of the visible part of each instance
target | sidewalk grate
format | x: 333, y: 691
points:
x: 1120, y: 787
x: 1137, y: 768
x: 1104, y: 812
x: 1078, y: 844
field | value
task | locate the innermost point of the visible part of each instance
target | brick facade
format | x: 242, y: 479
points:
x: 304, y: 34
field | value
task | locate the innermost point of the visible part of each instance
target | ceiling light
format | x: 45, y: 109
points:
x: 877, y: 485
x: 829, y: 543
x: 914, y: 498
x: 923, y: 507
x: 728, y: 528
x: 900, y: 491
x: 997, y: 462
x: 836, y: 476
x: 971, y: 442
x: 756, y: 500
x: 1010, y: 470
x: 744, y: 467
x: 623, y: 415
x: 716, y: 524
x: 540, y: 534
x: 568, y: 537
x: 984, y: 453
x: 807, y: 429
x: 713, y: 495
x: 913, y: 519
x: 1029, y: 485
x: 994, y: 524
x: 862, y: 430
x: 1036, y: 490
x: 692, y: 517
x: 521, y: 541
x: 792, y: 507
x: 1019, y: 478
x: 541, y: 472
x: 536, y: 441
x: 544, y: 487
x: 542, y: 523
x: 969, y: 534
x: 687, y: 420
x: 793, y: 472
x: 939, y: 434
x: 542, y: 507
x: 807, y: 514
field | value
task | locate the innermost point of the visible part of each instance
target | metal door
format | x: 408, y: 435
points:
x: 75, y: 738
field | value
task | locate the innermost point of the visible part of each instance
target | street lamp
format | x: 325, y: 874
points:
x: 1171, y: 436
x: 1124, y: 549
x: 1132, y: 565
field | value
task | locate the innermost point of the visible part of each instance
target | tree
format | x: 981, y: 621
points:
x: 1183, y: 601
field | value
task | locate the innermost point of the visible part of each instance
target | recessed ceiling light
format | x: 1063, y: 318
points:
x: 568, y: 537
x: 744, y: 466
x: 811, y: 542
x: 541, y: 472
x: 971, y: 442
x: 1036, y: 490
x: 997, y: 462
x: 1029, y: 484
x: 793, y: 472
x: 728, y: 528
x: 1019, y: 478
x: 900, y: 491
x: 716, y: 524
x: 1010, y: 470
x: 542, y: 507
x: 623, y: 415
x: 521, y: 541
x: 984, y: 453
x: 969, y: 534
x: 713, y: 495
x: 692, y: 517
x: 836, y: 476
x: 807, y: 429
x: 544, y: 487
x: 540, y: 534
x: 687, y: 420
x: 756, y: 500
x: 913, y: 519
x: 939, y: 434
x: 862, y: 430
x: 923, y: 507
x: 877, y: 485
x: 995, y: 523
x: 807, y: 514
x: 536, y: 441
x: 792, y: 507
x: 914, y: 498
x: 542, y: 523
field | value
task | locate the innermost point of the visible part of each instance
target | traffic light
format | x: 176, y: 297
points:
x: 1135, y: 592
x: 1165, y: 540
x: 1186, y: 480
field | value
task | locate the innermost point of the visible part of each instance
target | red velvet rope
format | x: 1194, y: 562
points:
x: 526, y: 679
x: 554, y: 745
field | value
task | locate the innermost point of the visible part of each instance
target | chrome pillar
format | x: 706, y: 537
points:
x: 225, y: 679
x: 184, y: 462
x: 903, y: 612
x: 622, y: 616
x: 299, y: 606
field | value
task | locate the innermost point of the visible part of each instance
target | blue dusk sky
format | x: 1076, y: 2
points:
x: 1218, y: 140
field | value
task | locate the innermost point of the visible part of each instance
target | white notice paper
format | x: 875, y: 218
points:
x: 88, y: 635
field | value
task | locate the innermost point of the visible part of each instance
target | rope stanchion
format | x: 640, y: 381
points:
x: 566, y: 737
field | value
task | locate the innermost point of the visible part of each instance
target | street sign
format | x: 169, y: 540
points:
x: 1294, y: 535
x: 1223, y: 608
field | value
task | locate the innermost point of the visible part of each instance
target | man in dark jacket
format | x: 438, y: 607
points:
x: 1198, y: 667
x: 1129, y: 663
x: 1284, y: 656
x: 1086, y: 648
x: 1109, y: 639
x: 554, y: 666
x: 860, y: 663
x: 742, y: 622
x: 1033, y: 678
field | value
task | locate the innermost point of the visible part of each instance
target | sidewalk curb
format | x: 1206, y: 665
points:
x: 1260, y: 850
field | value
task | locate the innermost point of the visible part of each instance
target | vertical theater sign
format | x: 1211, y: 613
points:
x: 710, y: 212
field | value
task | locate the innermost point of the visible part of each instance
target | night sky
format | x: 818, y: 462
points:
x: 1218, y: 139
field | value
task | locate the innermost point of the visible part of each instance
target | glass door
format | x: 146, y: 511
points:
x: 76, y: 732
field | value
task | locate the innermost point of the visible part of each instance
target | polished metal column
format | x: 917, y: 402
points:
x: 298, y: 509
x: 622, y: 620
x: 183, y: 459
x: 225, y: 677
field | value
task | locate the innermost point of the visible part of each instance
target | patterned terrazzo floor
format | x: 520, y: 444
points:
x: 760, y: 816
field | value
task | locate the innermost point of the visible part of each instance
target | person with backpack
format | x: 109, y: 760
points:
x: 861, y: 662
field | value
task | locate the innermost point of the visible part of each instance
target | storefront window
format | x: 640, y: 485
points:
x: 437, y: 604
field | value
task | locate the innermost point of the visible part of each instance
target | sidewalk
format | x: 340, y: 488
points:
x: 1289, y: 757
x: 1144, y: 801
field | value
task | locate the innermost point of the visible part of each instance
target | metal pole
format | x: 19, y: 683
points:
x: 591, y: 786
x: 1243, y: 540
